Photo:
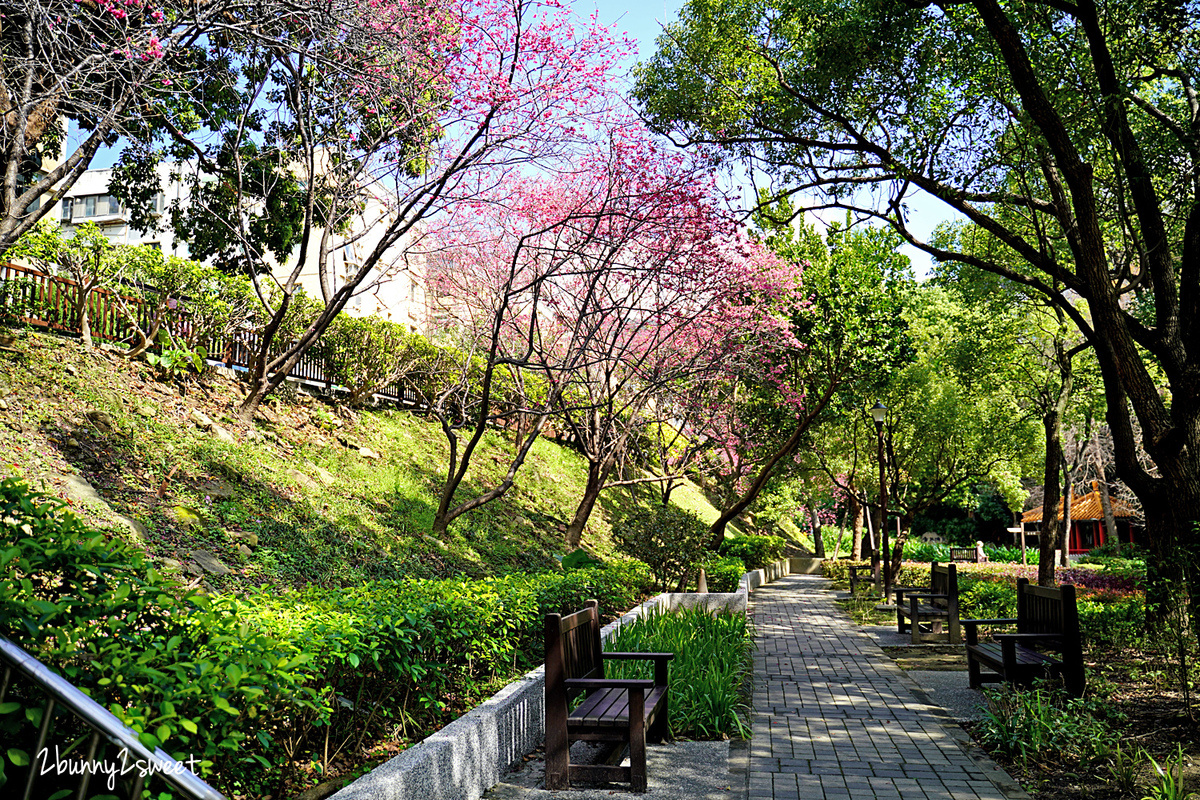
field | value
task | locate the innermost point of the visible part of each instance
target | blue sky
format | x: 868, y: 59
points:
x: 641, y: 20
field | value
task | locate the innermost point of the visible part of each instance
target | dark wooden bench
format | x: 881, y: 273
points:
x: 1047, y: 619
x: 964, y: 554
x: 935, y: 607
x: 620, y: 711
x: 854, y: 579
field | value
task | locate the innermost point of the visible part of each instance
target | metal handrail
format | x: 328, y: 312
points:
x: 100, y: 720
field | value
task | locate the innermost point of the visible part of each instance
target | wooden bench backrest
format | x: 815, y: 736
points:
x: 943, y: 580
x: 573, y: 648
x: 962, y: 554
x: 1042, y: 609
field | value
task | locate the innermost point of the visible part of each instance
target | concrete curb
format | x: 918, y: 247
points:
x: 468, y: 756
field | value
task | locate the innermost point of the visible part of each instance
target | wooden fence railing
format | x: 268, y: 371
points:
x: 35, y: 298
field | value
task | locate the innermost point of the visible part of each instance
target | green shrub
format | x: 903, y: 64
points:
x: 367, y: 354
x: 1118, y: 549
x: 711, y: 664
x: 754, y: 550
x: 909, y: 574
x: 168, y: 661
x: 578, y: 559
x: 1011, y: 554
x: 985, y: 599
x: 723, y: 573
x: 257, y: 683
x: 925, y: 551
x: 668, y: 539
x: 1112, y: 622
x: 839, y: 571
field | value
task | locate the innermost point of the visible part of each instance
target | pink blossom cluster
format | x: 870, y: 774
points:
x: 623, y: 273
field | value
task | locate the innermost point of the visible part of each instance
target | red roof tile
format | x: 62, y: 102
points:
x: 1085, y: 506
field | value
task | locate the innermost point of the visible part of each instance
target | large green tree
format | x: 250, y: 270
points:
x: 1068, y: 132
x: 842, y: 341
x: 953, y: 419
x: 76, y: 75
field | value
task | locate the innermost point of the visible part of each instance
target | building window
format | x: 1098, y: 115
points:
x: 113, y: 204
x: 66, y: 209
x: 89, y: 206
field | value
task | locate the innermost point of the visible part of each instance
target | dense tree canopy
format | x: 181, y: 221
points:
x: 1068, y: 133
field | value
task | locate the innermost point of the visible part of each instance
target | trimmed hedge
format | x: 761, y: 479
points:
x: 754, y: 550
x: 723, y: 573
x: 910, y: 574
x: 258, y: 683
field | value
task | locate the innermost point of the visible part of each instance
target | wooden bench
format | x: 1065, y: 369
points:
x: 612, y: 710
x: 1047, y: 619
x: 964, y: 554
x: 854, y: 579
x: 935, y: 607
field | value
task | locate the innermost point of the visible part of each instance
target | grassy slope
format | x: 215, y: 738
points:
x: 156, y: 466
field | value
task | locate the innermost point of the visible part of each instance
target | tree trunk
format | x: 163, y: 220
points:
x: 1110, y: 523
x: 1068, y: 498
x: 668, y: 486
x: 1051, y: 524
x: 597, y: 475
x: 905, y: 521
x: 856, y: 527
x: 818, y: 539
x: 81, y: 310
x: 731, y: 512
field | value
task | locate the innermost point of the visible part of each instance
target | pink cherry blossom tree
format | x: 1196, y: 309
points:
x: 599, y: 286
x: 358, y: 129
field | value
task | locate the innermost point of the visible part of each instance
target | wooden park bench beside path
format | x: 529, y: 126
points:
x: 935, y: 607
x: 613, y: 710
x: 964, y: 554
x: 1047, y: 619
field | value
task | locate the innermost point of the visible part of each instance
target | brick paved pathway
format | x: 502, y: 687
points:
x: 836, y: 719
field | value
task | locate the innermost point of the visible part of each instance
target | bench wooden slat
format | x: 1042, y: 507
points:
x: 605, y: 707
x: 992, y: 653
x: 610, y: 707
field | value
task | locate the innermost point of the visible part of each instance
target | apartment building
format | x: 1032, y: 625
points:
x: 394, y: 291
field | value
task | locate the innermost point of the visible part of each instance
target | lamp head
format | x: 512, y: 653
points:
x: 879, y: 414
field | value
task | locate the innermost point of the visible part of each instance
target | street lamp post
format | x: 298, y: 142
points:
x: 879, y: 414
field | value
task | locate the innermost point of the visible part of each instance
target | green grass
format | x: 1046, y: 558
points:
x: 708, y: 674
x: 372, y: 522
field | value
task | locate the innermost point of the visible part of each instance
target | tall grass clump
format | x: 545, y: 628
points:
x: 1043, y: 727
x: 707, y: 675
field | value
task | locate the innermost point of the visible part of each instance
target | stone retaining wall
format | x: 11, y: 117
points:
x: 468, y: 756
